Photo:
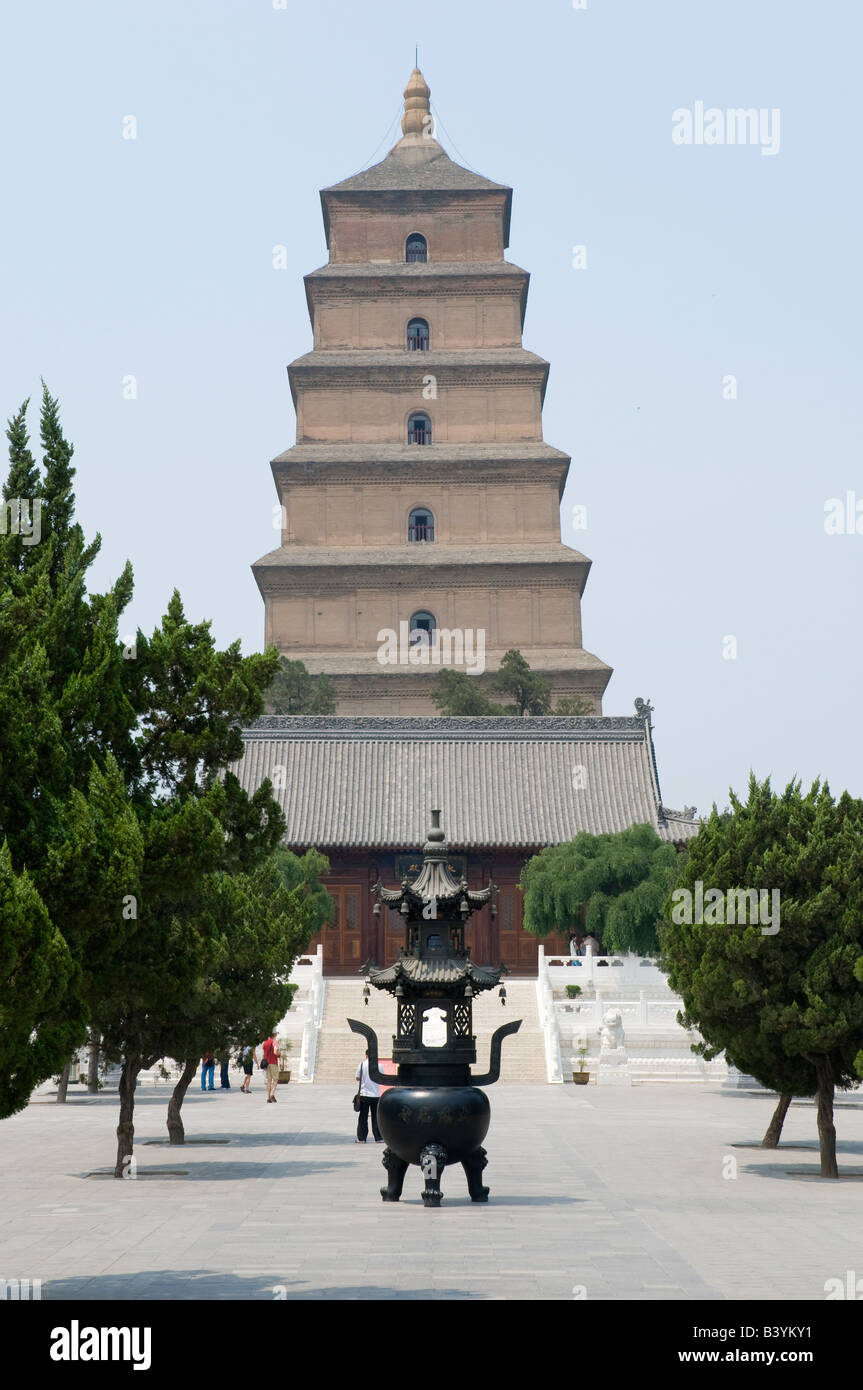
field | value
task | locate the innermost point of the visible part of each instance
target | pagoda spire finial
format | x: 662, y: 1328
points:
x: 417, y: 119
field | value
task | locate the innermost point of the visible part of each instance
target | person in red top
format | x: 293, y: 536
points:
x: 271, y: 1057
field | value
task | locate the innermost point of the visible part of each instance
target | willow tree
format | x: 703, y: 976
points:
x: 615, y: 884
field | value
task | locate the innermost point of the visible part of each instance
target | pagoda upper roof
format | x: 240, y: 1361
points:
x: 403, y: 171
x: 416, y: 164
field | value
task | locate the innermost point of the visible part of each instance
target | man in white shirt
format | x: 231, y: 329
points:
x: 369, y: 1094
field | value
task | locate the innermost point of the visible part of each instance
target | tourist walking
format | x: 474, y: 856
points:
x: 369, y: 1093
x: 208, y: 1066
x: 271, y: 1058
x: 248, y: 1070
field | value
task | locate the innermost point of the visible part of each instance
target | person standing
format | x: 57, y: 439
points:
x: 369, y: 1093
x: 248, y: 1069
x: 271, y: 1057
x: 208, y: 1066
x: 225, y: 1081
x: 591, y: 945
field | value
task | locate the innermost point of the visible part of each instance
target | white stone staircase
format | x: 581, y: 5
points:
x: 340, y: 1051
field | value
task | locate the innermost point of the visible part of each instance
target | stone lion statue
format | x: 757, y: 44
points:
x: 611, y: 1032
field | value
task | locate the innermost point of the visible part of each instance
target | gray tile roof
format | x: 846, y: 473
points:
x: 401, y: 173
x: 500, y: 782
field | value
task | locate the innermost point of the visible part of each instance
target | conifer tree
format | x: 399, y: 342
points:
x: 62, y: 705
x: 261, y: 922
x: 295, y: 691
x: 455, y: 693
x: 780, y: 998
x: 529, y: 692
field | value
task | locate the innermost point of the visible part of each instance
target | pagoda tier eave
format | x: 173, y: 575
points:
x: 414, y: 470
x: 420, y: 558
x: 413, y: 273
x: 397, y: 279
x: 353, y: 369
x: 390, y: 359
x: 531, y: 451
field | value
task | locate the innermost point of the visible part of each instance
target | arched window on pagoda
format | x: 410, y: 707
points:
x: 422, y: 629
x: 419, y: 429
x: 418, y: 335
x: 421, y: 525
x: 416, y: 248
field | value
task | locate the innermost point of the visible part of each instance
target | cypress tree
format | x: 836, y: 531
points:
x: 779, y: 998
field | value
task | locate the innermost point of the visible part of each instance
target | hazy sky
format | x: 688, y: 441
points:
x: 152, y: 258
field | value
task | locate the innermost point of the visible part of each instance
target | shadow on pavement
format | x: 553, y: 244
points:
x: 168, y: 1285
x: 229, y: 1171
x: 803, y: 1170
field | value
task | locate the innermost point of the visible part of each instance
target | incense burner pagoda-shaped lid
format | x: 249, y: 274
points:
x: 436, y: 908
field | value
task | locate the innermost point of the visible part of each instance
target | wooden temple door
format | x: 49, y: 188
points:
x: 342, y: 937
x: 509, y: 910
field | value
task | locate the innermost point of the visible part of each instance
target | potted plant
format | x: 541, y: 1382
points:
x: 581, y: 1077
x: 284, y: 1069
x: 573, y: 991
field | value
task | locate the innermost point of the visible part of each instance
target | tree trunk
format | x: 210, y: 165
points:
x: 176, y: 1132
x: 93, y: 1064
x: 826, y: 1127
x: 125, y: 1165
x: 774, y: 1129
x: 64, y: 1083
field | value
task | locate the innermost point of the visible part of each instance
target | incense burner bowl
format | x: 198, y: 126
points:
x: 455, y: 1117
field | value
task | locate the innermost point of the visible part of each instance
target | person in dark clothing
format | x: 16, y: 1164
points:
x: 369, y: 1092
x: 208, y: 1064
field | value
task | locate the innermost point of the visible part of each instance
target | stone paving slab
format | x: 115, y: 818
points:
x: 620, y: 1193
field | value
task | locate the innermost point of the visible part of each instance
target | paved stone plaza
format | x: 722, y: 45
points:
x: 617, y: 1190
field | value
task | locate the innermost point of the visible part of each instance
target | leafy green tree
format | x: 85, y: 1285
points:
x: 616, y: 884
x: 779, y: 997
x: 573, y: 705
x: 456, y: 693
x: 261, y: 922
x: 295, y: 691
x: 35, y: 968
x: 529, y: 692
x: 117, y: 810
x: 196, y: 821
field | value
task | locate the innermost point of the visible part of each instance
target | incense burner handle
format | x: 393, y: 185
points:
x: 493, y: 1074
x: 371, y: 1038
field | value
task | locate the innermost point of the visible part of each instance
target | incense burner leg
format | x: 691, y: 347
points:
x: 396, y: 1169
x: 432, y: 1163
x: 473, y: 1166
